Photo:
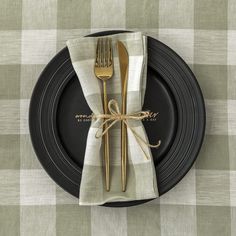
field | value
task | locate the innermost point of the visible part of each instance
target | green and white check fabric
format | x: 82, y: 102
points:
x: 141, y: 176
x: 202, y: 32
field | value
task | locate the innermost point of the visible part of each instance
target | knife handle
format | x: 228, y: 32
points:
x: 124, y: 155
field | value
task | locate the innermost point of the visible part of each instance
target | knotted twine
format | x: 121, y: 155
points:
x: 116, y: 116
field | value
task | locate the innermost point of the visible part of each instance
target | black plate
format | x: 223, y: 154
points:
x: 59, y: 139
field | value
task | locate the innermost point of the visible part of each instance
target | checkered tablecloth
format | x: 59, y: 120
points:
x: 203, y: 32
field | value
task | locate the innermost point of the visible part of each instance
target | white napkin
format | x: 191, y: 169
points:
x: 141, y: 176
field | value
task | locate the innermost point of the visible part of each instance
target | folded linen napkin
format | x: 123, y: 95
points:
x: 141, y: 176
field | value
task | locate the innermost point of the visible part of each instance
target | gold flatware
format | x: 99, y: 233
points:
x: 124, y: 65
x: 103, y: 70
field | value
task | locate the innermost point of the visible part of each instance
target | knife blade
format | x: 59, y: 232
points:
x: 124, y: 66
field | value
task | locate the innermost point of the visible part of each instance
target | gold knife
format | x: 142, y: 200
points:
x: 124, y: 65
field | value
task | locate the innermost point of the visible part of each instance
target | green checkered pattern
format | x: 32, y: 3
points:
x: 203, y: 32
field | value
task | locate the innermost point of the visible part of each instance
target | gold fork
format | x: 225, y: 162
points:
x: 103, y: 70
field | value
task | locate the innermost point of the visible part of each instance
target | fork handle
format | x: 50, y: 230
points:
x: 106, y: 140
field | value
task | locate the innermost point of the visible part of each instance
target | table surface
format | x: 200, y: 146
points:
x: 203, y: 32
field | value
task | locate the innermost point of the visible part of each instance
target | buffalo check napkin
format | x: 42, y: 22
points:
x: 141, y: 176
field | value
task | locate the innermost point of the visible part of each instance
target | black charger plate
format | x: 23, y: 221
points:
x: 59, y: 139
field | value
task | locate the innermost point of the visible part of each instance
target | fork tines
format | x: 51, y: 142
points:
x: 104, y: 52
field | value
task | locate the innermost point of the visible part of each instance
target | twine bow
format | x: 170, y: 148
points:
x: 115, y: 116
